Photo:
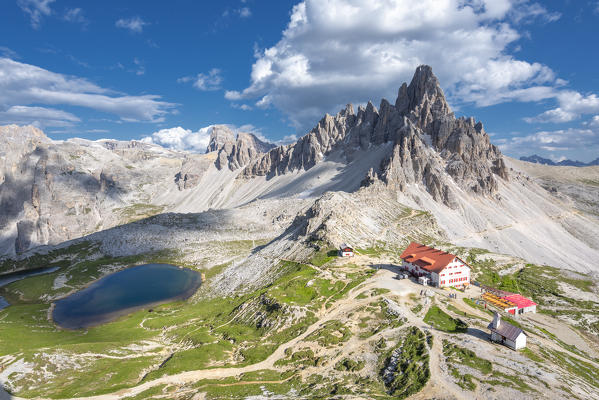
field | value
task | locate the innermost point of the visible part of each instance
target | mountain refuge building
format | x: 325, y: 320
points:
x: 441, y: 268
x: 523, y: 305
x: 507, y: 334
x: 346, y: 251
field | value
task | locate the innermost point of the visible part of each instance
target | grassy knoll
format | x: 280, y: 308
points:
x: 405, y: 368
x: 349, y: 365
x: 332, y: 333
x: 138, y: 211
x: 324, y: 256
x: 55, y: 258
x: 443, y: 321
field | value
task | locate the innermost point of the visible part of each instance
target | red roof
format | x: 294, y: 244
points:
x: 428, y: 258
x: 520, y: 301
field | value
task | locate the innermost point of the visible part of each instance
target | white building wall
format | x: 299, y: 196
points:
x: 453, y: 272
x: 520, y: 342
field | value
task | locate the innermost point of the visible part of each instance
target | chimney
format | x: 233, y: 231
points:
x: 496, y: 320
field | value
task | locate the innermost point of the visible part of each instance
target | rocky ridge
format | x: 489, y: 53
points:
x: 51, y: 192
x: 235, y: 151
x: 430, y: 145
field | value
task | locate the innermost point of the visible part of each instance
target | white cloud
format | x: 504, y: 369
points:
x: 25, y: 85
x: 244, y: 12
x: 179, y: 138
x: 244, y: 107
x: 572, y: 105
x: 232, y: 95
x: 205, y: 81
x: 36, y: 9
x: 38, y: 116
x: 134, y: 24
x: 573, y: 143
x: 286, y: 140
x: 140, y: 69
x: 527, y: 12
x: 8, y: 53
x: 355, y: 50
x: 75, y: 15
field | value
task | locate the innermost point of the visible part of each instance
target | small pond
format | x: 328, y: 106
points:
x: 123, y: 292
x: 17, y: 276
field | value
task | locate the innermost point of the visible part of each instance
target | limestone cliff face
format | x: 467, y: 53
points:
x: 51, y: 192
x: 429, y: 143
x: 234, y: 151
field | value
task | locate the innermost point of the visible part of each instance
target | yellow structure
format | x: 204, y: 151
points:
x: 498, y: 302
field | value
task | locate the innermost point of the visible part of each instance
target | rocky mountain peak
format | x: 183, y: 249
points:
x: 220, y: 137
x: 429, y: 143
x: 235, y: 151
x: 423, y: 101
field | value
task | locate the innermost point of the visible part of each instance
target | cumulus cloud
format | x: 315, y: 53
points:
x: 575, y: 143
x: 28, y: 85
x: 205, y: 81
x: 36, y: 9
x: 350, y: 50
x: 182, y: 139
x: 572, y: 105
x: 134, y: 24
x: 179, y: 138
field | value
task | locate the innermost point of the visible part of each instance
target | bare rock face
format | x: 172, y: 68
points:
x: 235, y: 151
x: 51, y: 192
x: 307, y: 151
x: 429, y: 143
x: 192, y: 170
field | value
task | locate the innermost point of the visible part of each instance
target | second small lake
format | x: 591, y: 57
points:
x: 7, y: 279
x: 123, y: 292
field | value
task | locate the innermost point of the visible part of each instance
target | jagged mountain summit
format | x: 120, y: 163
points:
x: 415, y: 150
x: 428, y: 143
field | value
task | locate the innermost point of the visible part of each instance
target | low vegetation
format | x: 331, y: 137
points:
x: 405, y: 369
x: 442, y: 321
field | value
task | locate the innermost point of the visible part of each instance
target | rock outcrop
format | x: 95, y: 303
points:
x: 429, y: 143
x: 51, y: 192
x: 234, y: 151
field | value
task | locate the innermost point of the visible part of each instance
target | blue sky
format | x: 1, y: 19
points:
x: 166, y: 71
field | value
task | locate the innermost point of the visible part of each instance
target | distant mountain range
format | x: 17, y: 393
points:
x: 569, y: 163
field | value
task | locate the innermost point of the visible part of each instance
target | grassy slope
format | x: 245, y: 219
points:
x: 211, y: 333
x: 198, y: 334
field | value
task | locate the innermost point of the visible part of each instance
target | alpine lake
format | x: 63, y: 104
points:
x: 123, y: 292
